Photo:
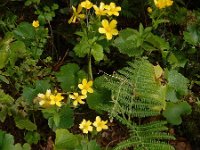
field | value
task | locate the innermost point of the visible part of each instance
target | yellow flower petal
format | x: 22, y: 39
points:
x: 102, y: 30
x: 113, y: 24
x: 84, y: 92
x: 109, y: 36
x: 90, y: 90
x: 84, y: 82
x: 105, y: 23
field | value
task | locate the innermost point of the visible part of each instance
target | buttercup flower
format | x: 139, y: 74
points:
x: 100, y: 11
x: 85, y: 126
x: 76, y: 14
x: 86, y: 87
x: 100, y: 124
x: 149, y: 10
x: 87, y: 4
x: 77, y: 98
x: 109, y: 29
x: 163, y: 3
x: 112, y: 9
x: 35, y: 23
x: 56, y: 99
x: 44, y: 99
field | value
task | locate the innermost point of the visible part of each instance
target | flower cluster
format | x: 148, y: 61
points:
x: 108, y: 27
x: 85, y: 87
x: 49, y: 99
x: 86, y: 125
x: 160, y: 4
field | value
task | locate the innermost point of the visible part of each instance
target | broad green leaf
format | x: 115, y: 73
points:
x: 24, y: 31
x: 42, y: 85
x: 174, y: 111
x: 97, y: 52
x: 29, y: 93
x: 91, y: 145
x: 178, y: 82
x: 156, y: 42
x: 6, y: 141
x: 83, y: 48
x: 127, y: 42
x: 66, y: 117
x: 26, y: 146
x: 192, y: 35
x: 67, y: 76
x: 32, y: 137
x: 177, y: 60
x: 171, y: 94
x: 18, y: 50
x: 66, y: 140
x: 98, y: 99
x: 24, y: 123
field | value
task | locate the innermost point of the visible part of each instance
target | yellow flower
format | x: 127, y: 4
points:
x: 109, y: 29
x: 100, y: 11
x: 112, y: 9
x: 44, y: 99
x: 86, y: 87
x: 35, y: 23
x: 77, y: 98
x: 85, y: 126
x: 100, y: 124
x: 56, y: 99
x: 149, y: 10
x: 76, y: 14
x: 163, y: 3
x: 87, y: 4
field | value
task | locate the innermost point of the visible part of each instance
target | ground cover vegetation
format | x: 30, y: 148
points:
x: 99, y: 75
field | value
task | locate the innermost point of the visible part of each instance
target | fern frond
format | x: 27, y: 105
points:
x: 136, y: 93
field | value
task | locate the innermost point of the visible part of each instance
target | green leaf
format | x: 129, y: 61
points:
x: 127, y: 42
x: 62, y: 119
x: 66, y: 140
x: 42, y: 85
x: 18, y: 50
x: 177, y: 60
x: 30, y: 93
x: 83, y: 48
x: 178, y: 82
x: 174, y: 111
x: 192, y: 35
x: 32, y: 137
x: 171, y: 94
x: 24, y: 31
x: 91, y: 145
x: 5, y: 49
x: 26, y: 146
x: 66, y: 117
x: 97, y: 99
x: 157, y: 42
x: 4, y: 79
x: 24, y: 123
x: 6, y: 141
x: 97, y: 52
x: 67, y: 76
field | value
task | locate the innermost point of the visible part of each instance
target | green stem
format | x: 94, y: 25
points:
x: 90, y: 75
